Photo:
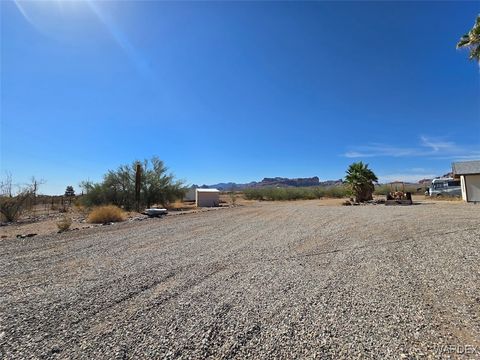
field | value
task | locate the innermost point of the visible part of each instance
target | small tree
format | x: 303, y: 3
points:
x: 69, y: 195
x: 361, y: 181
x: 69, y: 192
x: 6, y: 185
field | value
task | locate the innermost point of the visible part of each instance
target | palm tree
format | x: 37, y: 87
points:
x: 360, y: 179
x: 472, y: 41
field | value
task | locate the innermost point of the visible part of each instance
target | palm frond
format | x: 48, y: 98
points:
x: 472, y: 41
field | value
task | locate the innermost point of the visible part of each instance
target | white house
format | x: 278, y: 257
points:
x: 207, y: 197
x: 469, y: 174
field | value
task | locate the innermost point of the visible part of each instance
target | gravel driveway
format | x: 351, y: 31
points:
x: 268, y: 280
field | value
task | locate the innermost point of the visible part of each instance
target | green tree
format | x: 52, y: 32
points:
x: 69, y: 191
x: 471, y: 40
x: 361, y: 181
x: 158, y: 186
x: 95, y: 194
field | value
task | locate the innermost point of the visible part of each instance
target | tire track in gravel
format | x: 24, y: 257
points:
x: 273, y: 280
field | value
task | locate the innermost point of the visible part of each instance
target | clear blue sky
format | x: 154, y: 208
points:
x: 226, y: 91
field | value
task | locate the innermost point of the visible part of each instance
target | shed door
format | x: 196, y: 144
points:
x: 472, y: 183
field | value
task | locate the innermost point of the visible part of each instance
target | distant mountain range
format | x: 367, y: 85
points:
x: 273, y: 182
x: 286, y: 182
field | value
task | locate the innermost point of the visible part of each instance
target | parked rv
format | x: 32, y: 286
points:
x: 445, y: 187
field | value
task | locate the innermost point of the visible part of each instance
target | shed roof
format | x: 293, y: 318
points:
x: 208, y: 190
x: 466, y: 167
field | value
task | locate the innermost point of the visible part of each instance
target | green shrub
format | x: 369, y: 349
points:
x: 293, y: 193
x: 384, y: 189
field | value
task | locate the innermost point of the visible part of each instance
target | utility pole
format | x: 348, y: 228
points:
x: 34, y: 189
x: 138, y: 180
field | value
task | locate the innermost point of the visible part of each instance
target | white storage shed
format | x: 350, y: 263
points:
x: 469, y: 174
x: 190, y: 195
x: 207, y: 197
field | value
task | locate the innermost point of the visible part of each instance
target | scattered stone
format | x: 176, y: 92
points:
x: 55, y: 349
x: 275, y: 280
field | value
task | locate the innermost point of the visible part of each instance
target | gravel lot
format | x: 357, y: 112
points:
x: 268, y: 280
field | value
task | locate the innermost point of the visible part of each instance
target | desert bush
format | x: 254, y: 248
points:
x: 11, y: 207
x: 106, y: 214
x: 384, y: 189
x: 233, y: 196
x: 82, y: 209
x: 300, y: 193
x: 337, y: 192
x: 64, y: 223
x: 118, y: 186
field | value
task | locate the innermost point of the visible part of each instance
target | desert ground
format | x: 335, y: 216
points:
x: 304, y: 279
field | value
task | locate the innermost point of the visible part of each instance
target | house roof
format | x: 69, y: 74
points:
x: 466, y: 167
x: 208, y: 190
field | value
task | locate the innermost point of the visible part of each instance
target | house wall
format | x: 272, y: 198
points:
x: 472, y: 187
x: 207, y: 199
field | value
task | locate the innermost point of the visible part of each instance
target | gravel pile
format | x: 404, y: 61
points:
x: 270, y: 280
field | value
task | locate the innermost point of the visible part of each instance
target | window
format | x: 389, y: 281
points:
x: 439, y: 185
